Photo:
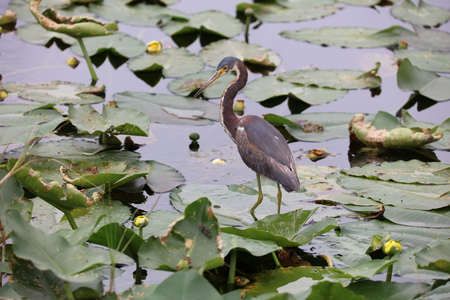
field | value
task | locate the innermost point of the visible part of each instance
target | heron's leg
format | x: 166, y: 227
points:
x: 260, y: 198
x: 279, y: 194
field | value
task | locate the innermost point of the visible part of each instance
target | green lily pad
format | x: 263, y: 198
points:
x: 365, y: 269
x: 57, y: 92
x: 338, y: 79
x: 304, y: 3
x: 189, y: 84
x: 433, y: 61
x: 294, y: 11
x: 435, y: 257
x: 190, y: 243
x: 418, y: 218
x: 271, y: 87
x: 139, y: 14
x: 429, y: 84
x: 387, y: 290
x: 171, y: 62
x: 251, y: 54
x: 22, y: 7
x: 360, y: 2
x: 118, y: 47
x: 346, y: 37
x: 319, y: 127
x: 423, y: 14
x: 423, y: 38
x: 210, y: 25
x: 35, y: 34
x: 35, y: 117
x: 112, y: 120
x: 254, y: 246
x: 170, y: 109
x: 393, y: 136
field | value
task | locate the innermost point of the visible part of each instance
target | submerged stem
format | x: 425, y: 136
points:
x: 232, y: 272
x: 389, y: 273
x: 88, y: 61
x: 68, y: 290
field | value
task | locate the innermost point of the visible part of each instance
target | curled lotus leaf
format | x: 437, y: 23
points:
x: 76, y: 27
x: 400, y: 137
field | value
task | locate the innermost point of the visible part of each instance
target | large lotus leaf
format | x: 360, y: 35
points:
x: 434, y: 61
x: 57, y: 92
x: 190, y: 243
x: 435, y: 257
x: 365, y: 269
x: 33, y: 283
x: 254, y: 246
x: 209, y: 25
x: 413, y: 171
x: 371, y: 289
x: 11, y: 197
x: 73, y: 263
x: 429, y: 84
x: 139, y: 14
x: 25, y: 133
x: 320, y: 127
x: 249, y: 53
x: 338, y: 79
x: 170, y: 109
x: 34, y: 117
x: 439, y: 292
x: 76, y: 27
x: 162, y: 178
x: 64, y: 197
x: 21, y: 7
x: 189, y: 84
x: 399, y: 137
x: 281, y: 229
x: 423, y: 14
x: 118, y: 47
x: 272, y: 12
x: 173, y: 62
x: 123, y: 120
x: 423, y: 38
x: 407, y: 234
x: 21, y: 108
x: 35, y: 34
x: 269, y: 87
x: 411, y: 217
x: 348, y: 37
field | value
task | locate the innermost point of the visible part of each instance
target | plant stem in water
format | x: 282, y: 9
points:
x: 88, y: 61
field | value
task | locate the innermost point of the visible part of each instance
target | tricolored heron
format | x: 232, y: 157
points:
x: 261, y: 146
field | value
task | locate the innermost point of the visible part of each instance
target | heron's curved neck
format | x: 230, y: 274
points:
x: 228, y: 118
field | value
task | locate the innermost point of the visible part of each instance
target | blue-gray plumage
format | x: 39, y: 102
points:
x: 261, y: 146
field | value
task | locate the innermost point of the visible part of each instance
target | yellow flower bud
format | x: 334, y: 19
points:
x: 392, y: 247
x: 153, y: 47
x: 73, y: 62
x: 140, y: 221
x: 3, y: 95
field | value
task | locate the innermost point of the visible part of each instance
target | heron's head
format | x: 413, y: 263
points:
x: 228, y: 64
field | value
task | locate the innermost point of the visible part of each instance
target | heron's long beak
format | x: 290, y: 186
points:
x: 213, y: 78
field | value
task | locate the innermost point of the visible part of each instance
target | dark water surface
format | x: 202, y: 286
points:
x: 27, y: 63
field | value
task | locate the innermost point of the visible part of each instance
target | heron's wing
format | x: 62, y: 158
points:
x: 265, y: 151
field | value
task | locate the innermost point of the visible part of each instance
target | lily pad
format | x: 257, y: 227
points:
x: 22, y: 7
x: 271, y: 87
x: 190, y: 243
x: 423, y: 14
x: 139, y: 14
x: 35, y: 34
x: 319, y: 127
x: 435, y: 257
x: 171, y: 62
x: 429, y: 84
x: 35, y: 117
x: 289, y: 11
x: 251, y: 54
x: 254, y: 246
x: 170, y: 109
x: 210, y: 25
x: 118, y: 47
x: 360, y: 2
x: 346, y: 37
x: 417, y: 218
x: 111, y: 120
x: 398, y: 137
x: 433, y: 61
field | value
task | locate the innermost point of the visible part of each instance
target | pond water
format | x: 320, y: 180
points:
x: 27, y: 63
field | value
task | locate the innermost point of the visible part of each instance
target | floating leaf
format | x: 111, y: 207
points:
x: 423, y: 38
x: 139, y: 14
x: 416, y: 218
x: 256, y: 247
x: 429, y: 84
x: 22, y: 7
x: 360, y: 2
x: 35, y: 117
x: 427, y: 60
x: 423, y: 14
x: 251, y: 54
x: 387, y: 290
x: 210, y: 25
x: 118, y: 47
x: 170, y: 109
x: 36, y: 34
x: 347, y: 37
x: 190, y: 243
x: 113, y: 120
x: 435, y: 257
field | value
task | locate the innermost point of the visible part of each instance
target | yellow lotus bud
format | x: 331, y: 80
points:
x: 3, y: 95
x: 218, y: 161
x: 239, y: 107
x: 140, y: 221
x: 153, y: 47
x: 73, y: 62
x: 392, y: 247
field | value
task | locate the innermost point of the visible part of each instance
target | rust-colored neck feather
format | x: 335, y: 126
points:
x: 228, y: 118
